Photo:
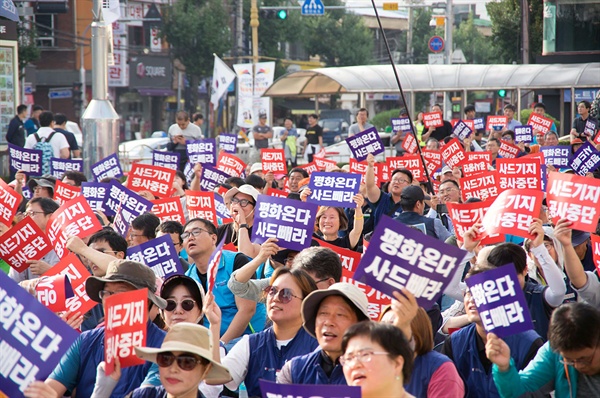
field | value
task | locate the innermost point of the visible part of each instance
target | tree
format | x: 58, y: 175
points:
x: 196, y: 30
x: 28, y: 50
x: 477, y: 48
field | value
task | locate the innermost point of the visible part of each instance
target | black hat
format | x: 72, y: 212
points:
x: 412, y: 194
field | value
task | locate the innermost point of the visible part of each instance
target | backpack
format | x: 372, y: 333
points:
x: 47, y: 151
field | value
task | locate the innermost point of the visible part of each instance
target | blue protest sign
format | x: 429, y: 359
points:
x: 159, y: 254
x: 313, y: 7
x: 28, y: 161
x: 557, y: 156
x: 169, y: 160
x: 32, y: 338
x: 479, y: 123
x: 27, y: 193
x: 400, y: 256
x: 58, y: 167
x: 590, y: 128
x: 126, y: 206
x: 400, y: 124
x: 203, y: 151
x: 586, y: 159
x: 290, y: 221
x: 222, y: 210
x: 500, y: 301
x: 333, y: 189
x: 211, y: 178
x: 228, y: 142
x: 95, y: 194
x: 365, y: 143
x: 461, y: 130
x: 523, y: 134
x: 109, y: 167
x: 188, y: 170
x: 271, y: 389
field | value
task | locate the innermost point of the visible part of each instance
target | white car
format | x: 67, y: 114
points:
x: 140, y: 150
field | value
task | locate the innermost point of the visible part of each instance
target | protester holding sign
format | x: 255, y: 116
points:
x: 143, y: 229
x: 413, y: 205
x: 241, y: 203
x: 331, y: 220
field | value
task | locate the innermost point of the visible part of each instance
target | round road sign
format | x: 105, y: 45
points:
x: 436, y: 44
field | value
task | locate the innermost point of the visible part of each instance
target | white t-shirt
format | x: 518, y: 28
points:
x: 58, y: 141
x: 190, y: 133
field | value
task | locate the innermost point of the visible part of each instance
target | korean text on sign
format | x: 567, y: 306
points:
x: 108, y: 167
x: 482, y: 186
x: 25, y: 241
x: 462, y: 130
x: 557, y: 156
x: 500, y: 301
x: 524, y: 134
x: 288, y: 220
x: 228, y: 142
x: 32, y: 338
x: 95, y: 194
x: 65, y: 192
x: 508, y: 151
x: 58, y: 167
x: 169, y: 209
x: 212, y: 177
x: 273, y: 160
x: 53, y: 292
x: 333, y: 189
x: 158, y: 180
x: 275, y: 390
x: 453, y: 153
x: 9, y: 202
x: 203, y: 151
x: 129, y: 203
x: 231, y: 165
x: 159, y: 254
x: 540, y: 123
x: 433, y: 119
x: 410, y: 162
x: 399, y: 256
x: 586, y: 159
x: 400, y: 124
x: 170, y: 160
x: 521, y: 173
x: 513, y: 212
x: 477, y: 162
x: 464, y: 215
x: 201, y: 205
x: 496, y: 122
x: 28, y: 161
x: 365, y: 143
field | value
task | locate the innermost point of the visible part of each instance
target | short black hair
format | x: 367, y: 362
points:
x: 362, y: 110
x: 76, y: 176
x: 509, y: 132
x: 235, y: 181
x: 146, y: 223
x: 116, y: 242
x: 37, y: 108
x: 48, y: 205
x: 314, y: 116
x: 511, y: 107
x: 196, y: 116
x: 21, y: 108
x: 60, y: 118
x: 299, y: 170
x: 574, y: 326
x: 450, y: 182
x: 550, y: 133
x: 469, y: 108
x: 320, y: 261
x: 585, y: 103
x: 496, y: 140
x: 506, y: 253
x: 210, y: 227
x: 46, y: 118
x: 406, y: 172
x: 170, y: 227
x: 256, y: 181
x: 539, y: 105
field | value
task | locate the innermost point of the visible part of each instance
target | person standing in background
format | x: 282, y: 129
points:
x: 33, y: 124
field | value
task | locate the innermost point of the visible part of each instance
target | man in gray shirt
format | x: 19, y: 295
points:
x: 261, y: 133
x: 361, y: 122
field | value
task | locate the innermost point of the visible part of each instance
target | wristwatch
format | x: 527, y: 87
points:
x: 244, y: 226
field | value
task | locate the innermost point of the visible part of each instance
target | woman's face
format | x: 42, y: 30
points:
x: 375, y: 374
x: 179, y: 382
x: 182, y: 297
x: 277, y: 310
x: 329, y: 223
x: 247, y: 211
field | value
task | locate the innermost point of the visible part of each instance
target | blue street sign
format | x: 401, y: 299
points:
x: 60, y: 94
x: 9, y: 11
x: 313, y: 7
x: 436, y: 44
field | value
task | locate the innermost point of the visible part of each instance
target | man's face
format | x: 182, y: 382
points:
x: 509, y: 113
x: 397, y: 183
x: 262, y: 121
x: 36, y: 114
x: 103, y: 247
x: 539, y: 110
x: 582, y: 110
x: 433, y: 145
x: 361, y: 117
x: 551, y: 140
x: 115, y: 288
x: 175, y: 238
x: 470, y: 308
x: 586, y: 360
x: 199, y: 122
x: 334, y: 317
x: 288, y: 124
x: 539, y: 137
x: 34, y: 210
x: 242, y: 203
x: 436, y: 108
x: 70, y: 182
x: 493, y: 147
x: 136, y: 237
x: 581, y: 249
x: 449, y: 193
x: 183, y: 124
x: 41, y: 192
x: 507, y: 138
x: 200, y: 245
x: 470, y: 115
x: 294, y: 180
x: 312, y: 121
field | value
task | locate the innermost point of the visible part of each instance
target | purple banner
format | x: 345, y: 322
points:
x: 32, y: 338
x: 401, y: 256
x: 590, y: 128
x: 188, y: 170
x: 169, y: 160
x: 557, y: 156
x: 524, y: 134
x: 222, y: 210
x: 27, y: 193
x: 126, y: 206
x: 228, y: 143
x: 333, y: 189
x: 400, y: 124
x: 479, y: 123
x: 58, y: 167
x: 28, y: 161
x: 203, y: 151
x: 211, y: 178
x: 290, y: 221
x: 159, y: 254
x: 461, y: 130
x: 500, y: 301
x: 586, y: 159
x: 365, y: 143
x: 271, y: 389
x: 109, y: 167
x: 95, y: 194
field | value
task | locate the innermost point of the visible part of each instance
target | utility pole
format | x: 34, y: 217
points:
x: 525, y: 31
x: 239, y: 27
x: 409, y: 35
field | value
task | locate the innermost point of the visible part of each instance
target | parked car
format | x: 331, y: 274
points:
x: 140, y: 150
x: 334, y: 130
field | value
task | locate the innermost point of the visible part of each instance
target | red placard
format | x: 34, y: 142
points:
x: 156, y: 179
x: 433, y: 119
x: 65, y: 192
x: 273, y: 160
x: 277, y: 192
x: 53, y: 292
x: 310, y: 167
x: 349, y: 258
x: 512, y: 212
x: 519, y: 173
x: 169, y: 209
x: 9, y: 203
x: 73, y: 218
x: 72, y: 267
x: 597, y: 138
x: 496, y: 121
x: 464, y: 215
x: 477, y: 162
x: 410, y: 144
x: 410, y: 162
x: 382, y: 171
x: 539, y: 123
x: 453, y: 153
x: 433, y: 160
x: 25, y: 241
x: 230, y: 164
x: 596, y: 251
x: 325, y: 164
x: 201, y: 205
x: 483, y: 186
x: 575, y: 198
x: 125, y: 328
x: 508, y: 151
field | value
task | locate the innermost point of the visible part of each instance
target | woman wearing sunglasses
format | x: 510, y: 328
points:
x: 262, y: 355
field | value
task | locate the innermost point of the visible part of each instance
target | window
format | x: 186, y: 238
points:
x: 44, y: 24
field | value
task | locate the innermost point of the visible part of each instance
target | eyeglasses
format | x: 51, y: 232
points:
x: 32, y: 213
x: 584, y: 361
x: 361, y: 357
x: 321, y: 280
x: 107, y: 293
x: 400, y: 181
x: 184, y: 361
x: 135, y: 235
x: 445, y: 191
x: 194, y: 232
x: 242, y: 202
x: 284, y: 295
x: 186, y: 305
x: 105, y: 251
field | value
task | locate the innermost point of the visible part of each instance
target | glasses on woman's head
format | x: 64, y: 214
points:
x: 242, y: 202
x: 284, y: 295
x: 187, y: 305
x: 361, y: 357
x: 184, y: 361
x: 194, y: 232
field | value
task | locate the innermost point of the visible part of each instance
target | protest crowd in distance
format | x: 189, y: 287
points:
x: 464, y: 266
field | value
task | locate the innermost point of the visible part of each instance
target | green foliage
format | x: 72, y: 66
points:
x: 382, y: 119
x: 28, y: 51
x: 525, y: 117
x: 477, y: 48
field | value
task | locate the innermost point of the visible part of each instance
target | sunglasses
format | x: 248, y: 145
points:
x: 187, y: 305
x: 284, y: 295
x: 184, y: 361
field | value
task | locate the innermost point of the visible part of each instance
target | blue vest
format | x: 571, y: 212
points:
x: 266, y: 360
x: 307, y: 370
x: 225, y: 299
x: 534, y: 295
x: 478, y: 382
x: 91, y: 353
x: 423, y: 368
x: 412, y: 218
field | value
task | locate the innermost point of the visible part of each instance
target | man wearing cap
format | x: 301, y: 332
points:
x: 240, y: 202
x: 262, y: 133
x: 42, y: 187
x: 583, y: 248
x: 413, y: 204
x: 327, y: 314
x: 77, y: 368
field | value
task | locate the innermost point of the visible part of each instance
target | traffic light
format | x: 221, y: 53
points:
x: 77, y: 100
x: 282, y: 14
x: 272, y: 14
x: 502, y: 93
